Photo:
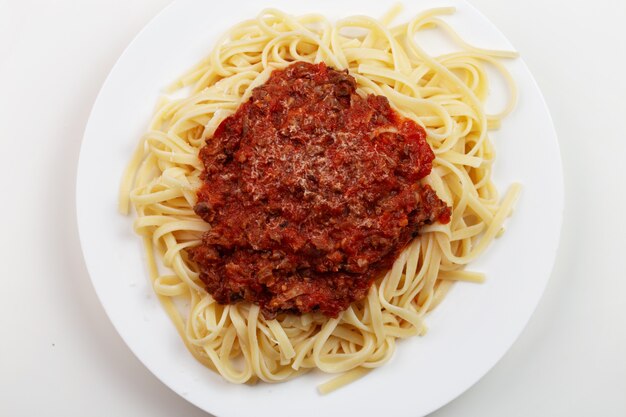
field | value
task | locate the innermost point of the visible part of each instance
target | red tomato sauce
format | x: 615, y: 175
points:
x: 311, y: 192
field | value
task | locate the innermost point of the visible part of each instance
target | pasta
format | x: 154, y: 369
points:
x: 444, y: 94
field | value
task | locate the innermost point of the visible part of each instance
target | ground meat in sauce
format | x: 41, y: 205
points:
x: 312, y: 191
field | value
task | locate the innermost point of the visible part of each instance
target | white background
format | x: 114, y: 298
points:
x: 59, y: 354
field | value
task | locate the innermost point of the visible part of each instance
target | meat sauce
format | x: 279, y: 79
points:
x: 311, y: 192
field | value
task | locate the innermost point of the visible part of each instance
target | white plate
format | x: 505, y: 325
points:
x: 469, y: 332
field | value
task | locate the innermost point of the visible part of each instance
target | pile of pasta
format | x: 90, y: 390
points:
x: 445, y: 94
